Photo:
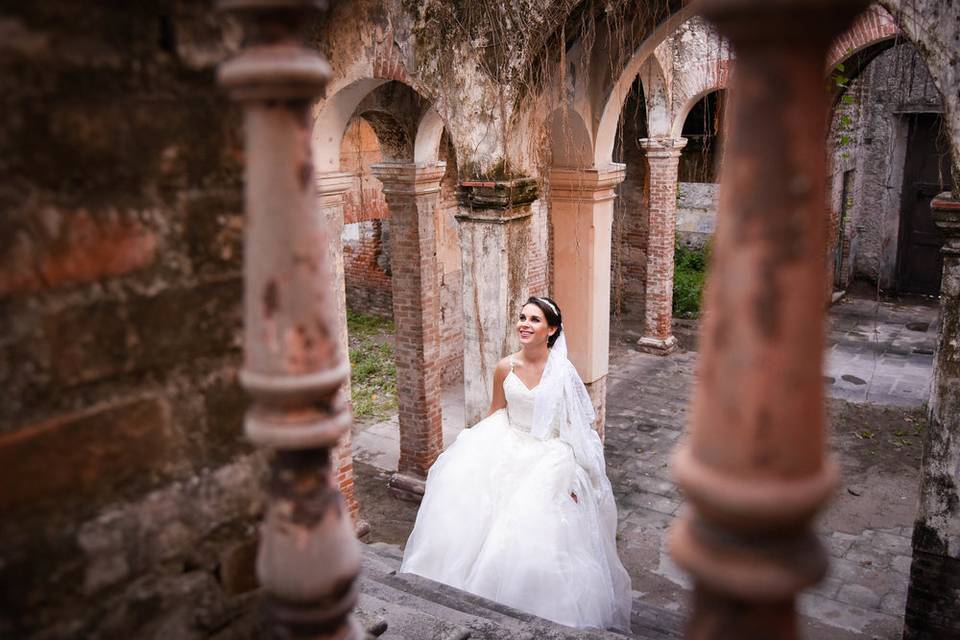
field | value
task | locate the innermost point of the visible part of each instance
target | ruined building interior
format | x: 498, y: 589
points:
x: 211, y: 210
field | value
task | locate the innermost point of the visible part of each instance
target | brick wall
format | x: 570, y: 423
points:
x: 537, y: 277
x: 631, y: 216
x: 366, y: 253
x: 416, y: 315
x: 127, y: 481
x: 366, y: 245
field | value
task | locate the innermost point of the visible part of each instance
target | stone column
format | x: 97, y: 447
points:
x: 663, y: 159
x: 494, y: 221
x: 412, y: 194
x: 581, y: 206
x: 331, y: 187
x: 753, y: 466
x: 309, y: 558
x: 933, y: 599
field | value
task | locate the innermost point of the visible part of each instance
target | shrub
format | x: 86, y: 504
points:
x: 689, y: 275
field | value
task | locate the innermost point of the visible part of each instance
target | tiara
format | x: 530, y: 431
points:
x: 550, y: 304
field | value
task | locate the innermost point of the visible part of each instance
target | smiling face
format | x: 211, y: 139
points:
x: 532, y: 326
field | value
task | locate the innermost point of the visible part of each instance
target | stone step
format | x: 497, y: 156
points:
x: 410, y: 606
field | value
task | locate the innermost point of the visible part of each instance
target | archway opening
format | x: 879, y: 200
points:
x: 890, y: 155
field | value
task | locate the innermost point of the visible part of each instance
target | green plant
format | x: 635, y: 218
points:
x: 373, y: 382
x: 689, y: 276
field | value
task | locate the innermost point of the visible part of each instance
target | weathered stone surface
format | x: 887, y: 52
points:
x: 105, y: 451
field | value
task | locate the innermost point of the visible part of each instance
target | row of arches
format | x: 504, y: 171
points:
x: 662, y: 125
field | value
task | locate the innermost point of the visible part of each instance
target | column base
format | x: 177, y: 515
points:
x: 406, y: 486
x: 361, y: 528
x: 597, y: 390
x: 656, y: 346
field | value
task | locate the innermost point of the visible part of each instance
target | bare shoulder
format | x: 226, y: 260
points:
x: 503, y: 367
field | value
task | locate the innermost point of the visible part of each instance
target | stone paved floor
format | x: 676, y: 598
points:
x: 881, y: 352
x: 876, y: 439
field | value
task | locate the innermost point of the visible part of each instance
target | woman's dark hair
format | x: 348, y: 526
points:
x: 552, y: 317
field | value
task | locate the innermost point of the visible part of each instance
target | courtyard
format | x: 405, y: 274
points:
x: 877, y: 375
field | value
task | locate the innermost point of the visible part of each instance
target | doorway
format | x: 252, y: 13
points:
x: 926, y: 173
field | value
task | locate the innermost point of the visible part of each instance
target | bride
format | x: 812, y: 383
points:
x: 519, y: 508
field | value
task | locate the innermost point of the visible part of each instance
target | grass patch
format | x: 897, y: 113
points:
x: 689, y: 275
x: 373, y: 381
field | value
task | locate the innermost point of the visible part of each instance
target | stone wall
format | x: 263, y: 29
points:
x: 868, y: 136
x: 696, y: 212
x: 129, y: 491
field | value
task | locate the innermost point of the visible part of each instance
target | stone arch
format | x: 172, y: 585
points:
x: 656, y: 95
x: 703, y: 79
x: 570, y: 141
x: 429, y: 134
x: 616, y: 94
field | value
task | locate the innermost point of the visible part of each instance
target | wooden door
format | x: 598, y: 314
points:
x: 926, y: 173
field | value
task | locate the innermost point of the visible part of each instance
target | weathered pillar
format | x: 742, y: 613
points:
x: 494, y: 228
x: 753, y: 467
x: 309, y: 558
x: 412, y: 194
x: 331, y: 187
x: 933, y: 599
x: 581, y: 205
x: 663, y: 159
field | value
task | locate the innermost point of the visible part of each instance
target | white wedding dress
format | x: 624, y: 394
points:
x: 498, y: 518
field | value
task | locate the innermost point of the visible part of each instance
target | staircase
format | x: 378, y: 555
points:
x: 403, y: 606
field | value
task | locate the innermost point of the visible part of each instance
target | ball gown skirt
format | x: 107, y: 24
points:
x: 498, y: 520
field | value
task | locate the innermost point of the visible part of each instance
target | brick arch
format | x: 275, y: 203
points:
x: 701, y: 80
x: 874, y: 25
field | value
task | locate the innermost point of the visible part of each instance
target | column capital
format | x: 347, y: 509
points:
x: 945, y: 210
x: 498, y: 194
x: 411, y: 178
x: 663, y: 147
x: 333, y: 182
x: 332, y: 185
x: 592, y: 183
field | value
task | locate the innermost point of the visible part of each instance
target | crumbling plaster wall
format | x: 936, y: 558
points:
x: 931, y: 25
x: 869, y: 137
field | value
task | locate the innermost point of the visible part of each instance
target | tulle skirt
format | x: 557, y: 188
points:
x: 498, y: 520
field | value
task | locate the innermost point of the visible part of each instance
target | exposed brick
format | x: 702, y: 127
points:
x: 72, y: 247
x: 106, y: 451
x: 108, y: 338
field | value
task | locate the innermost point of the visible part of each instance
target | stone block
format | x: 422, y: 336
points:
x: 859, y: 595
x: 62, y: 247
x: 213, y: 231
x: 110, y: 338
x: 225, y: 404
x: 102, y: 452
x: 238, y: 571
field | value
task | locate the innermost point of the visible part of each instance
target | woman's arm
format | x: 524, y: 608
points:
x: 497, y: 399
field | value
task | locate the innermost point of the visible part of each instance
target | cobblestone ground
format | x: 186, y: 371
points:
x: 876, y: 439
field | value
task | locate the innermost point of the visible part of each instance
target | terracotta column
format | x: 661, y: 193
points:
x: 663, y: 159
x: 331, y: 187
x: 933, y: 600
x: 309, y: 558
x: 581, y: 205
x: 494, y: 221
x: 753, y: 466
x: 412, y: 194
